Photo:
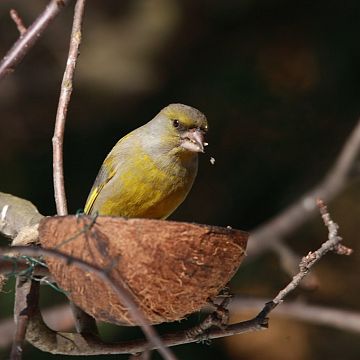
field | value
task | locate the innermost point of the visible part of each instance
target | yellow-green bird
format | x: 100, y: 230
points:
x: 150, y: 171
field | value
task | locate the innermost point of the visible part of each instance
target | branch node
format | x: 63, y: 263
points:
x: 61, y: 3
x: 18, y: 22
x: 333, y: 228
x: 264, y: 323
x: 343, y: 250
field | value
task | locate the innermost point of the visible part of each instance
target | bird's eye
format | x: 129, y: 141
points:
x: 176, y: 123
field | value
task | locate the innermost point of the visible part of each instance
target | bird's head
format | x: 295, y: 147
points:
x: 182, y: 127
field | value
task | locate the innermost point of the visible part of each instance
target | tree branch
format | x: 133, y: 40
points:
x: 280, y: 226
x: 55, y: 343
x: 123, y: 294
x: 18, y: 21
x: 333, y: 243
x: 11, y: 266
x: 30, y: 37
x: 57, y: 317
x: 314, y: 314
x: 65, y: 94
x: 26, y: 300
x: 61, y: 319
x: 84, y: 322
x: 289, y: 262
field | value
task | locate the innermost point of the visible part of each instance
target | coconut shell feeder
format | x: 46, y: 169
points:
x: 171, y: 268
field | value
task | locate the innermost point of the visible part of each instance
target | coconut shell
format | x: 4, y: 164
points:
x: 171, y: 268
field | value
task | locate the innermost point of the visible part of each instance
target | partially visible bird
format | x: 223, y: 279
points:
x: 150, y: 171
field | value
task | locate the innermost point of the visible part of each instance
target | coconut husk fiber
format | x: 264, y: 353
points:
x: 171, y: 268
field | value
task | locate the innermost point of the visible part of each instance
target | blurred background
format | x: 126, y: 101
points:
x: 280, y: 84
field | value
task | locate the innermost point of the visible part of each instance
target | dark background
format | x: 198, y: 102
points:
x: 279, y: 83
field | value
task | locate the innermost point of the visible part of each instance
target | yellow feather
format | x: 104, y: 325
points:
x: 90, y: 201
x: 106, y: 172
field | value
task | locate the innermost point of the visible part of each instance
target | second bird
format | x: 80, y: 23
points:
x: 150, y: 171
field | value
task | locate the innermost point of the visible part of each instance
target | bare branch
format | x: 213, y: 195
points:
x: 11, y: 266
x: 84, y: 322
x: 58, y: 317
x: 65, y: 94
x: 289, y: 261
x: 18, y: 21
x: 312, y: 258
x: 123, y: 294
x: 307, y: 262
x: 299, y: 212
x: 61, y: 319
x: 314, y: 314
x: 30, y: 37
x: 332, y: 229
x: 26, y: 300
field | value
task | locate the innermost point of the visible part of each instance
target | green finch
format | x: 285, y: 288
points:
x: 150, y: 171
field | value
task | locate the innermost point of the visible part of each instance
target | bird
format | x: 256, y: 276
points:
x: 150, y: 171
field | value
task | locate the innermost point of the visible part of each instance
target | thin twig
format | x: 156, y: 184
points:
x: 26, y: 300
x: 84, y: 322
x: 124, y: 295
x: 18, y: 21
x: 283, y: 224
x: 332, y: 230
x: 333, y: 243
x: 30, y: 37
x: 312, y: 258
x: 218, y: 318
x: 314, y: 314
x: 289, y: 262
x: 65, y: 94
x: 58, y: 317
x: 11, y: 266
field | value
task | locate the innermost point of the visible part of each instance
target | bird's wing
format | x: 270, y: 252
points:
x: 107, y: 171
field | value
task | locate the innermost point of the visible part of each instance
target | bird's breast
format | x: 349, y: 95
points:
x: 148, y: 188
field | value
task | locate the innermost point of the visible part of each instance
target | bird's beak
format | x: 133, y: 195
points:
x: 193, y: 140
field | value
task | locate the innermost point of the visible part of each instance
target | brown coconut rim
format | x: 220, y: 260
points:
x: 172, y: 268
